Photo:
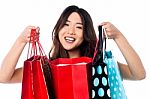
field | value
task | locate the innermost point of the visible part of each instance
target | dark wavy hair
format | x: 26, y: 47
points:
x: 88, y: 45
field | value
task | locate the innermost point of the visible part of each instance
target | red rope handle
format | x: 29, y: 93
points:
x: 34, y: 38
x: 36, y: 45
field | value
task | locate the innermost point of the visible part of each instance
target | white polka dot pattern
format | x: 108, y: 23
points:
x: 114, y: 79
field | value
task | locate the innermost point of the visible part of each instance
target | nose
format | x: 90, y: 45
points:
x: 71, y: 30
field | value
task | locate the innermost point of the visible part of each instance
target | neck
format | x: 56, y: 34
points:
x: 74, y: 53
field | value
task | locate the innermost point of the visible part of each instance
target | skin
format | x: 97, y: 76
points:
x: 73, y: 30
x: 133, y: 70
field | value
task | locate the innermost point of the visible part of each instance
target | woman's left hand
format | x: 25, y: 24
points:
x: 134, y: 69
x: 111, y: 31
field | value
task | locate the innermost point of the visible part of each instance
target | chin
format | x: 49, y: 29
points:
x: 72, y: 49
x: 69, y: 49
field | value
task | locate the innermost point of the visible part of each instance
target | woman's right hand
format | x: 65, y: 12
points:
x: 25, y: 35
x: 8, y: 71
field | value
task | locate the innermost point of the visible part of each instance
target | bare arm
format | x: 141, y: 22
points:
x: 134, y: 69
x: 8, y: 71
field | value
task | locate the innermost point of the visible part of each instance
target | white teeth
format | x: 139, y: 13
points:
x: 69, y: 39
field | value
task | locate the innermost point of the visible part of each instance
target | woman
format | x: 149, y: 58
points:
x: 73, y: 36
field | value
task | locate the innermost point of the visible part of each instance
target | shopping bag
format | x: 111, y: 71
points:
x: 117, y: 90
x: 71, y: 77
x: 48, y: 76
x: 27, y: 81
x: 39, y: 84
x: 27, y: 88
x: 34, y: 84
x: 115, y: 80
x: 100, y: 86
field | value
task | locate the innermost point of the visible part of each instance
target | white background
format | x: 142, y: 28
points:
x: 130, y: 16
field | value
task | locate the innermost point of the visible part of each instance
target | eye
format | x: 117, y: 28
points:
x: 66, y: 24
x: 79, y: 27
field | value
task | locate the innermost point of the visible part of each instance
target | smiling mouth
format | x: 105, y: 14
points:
x: 69, y: 39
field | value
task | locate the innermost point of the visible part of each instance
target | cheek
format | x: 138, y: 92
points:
x: 81, y: 36
x: 60, y: 34
x: 81, y: 39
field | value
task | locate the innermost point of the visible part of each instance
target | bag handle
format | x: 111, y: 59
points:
x: 100, y: 45
x: 32, y: 48
x: 107, y: 49
x: 34, y: 44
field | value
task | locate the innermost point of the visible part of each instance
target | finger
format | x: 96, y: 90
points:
x: 104, y: 23
x: 105, y: 33
x: 29, y: 28
x: 37, y: 29
x: 105, y: 26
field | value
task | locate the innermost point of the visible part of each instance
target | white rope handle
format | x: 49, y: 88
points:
x: 108, y: 44
x: 105, y: 32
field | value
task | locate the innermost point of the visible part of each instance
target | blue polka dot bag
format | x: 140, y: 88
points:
x: 106, y: 79
x: 114, y: 78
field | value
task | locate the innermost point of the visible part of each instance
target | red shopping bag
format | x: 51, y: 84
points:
x: 34, y: 83
x: 71, y: 78
x: 27, y: 88
x: 39, y: 84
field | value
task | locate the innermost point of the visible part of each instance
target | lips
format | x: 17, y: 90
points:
x: 69, y: 39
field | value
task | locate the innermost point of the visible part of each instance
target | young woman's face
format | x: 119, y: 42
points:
x: 71, y: 35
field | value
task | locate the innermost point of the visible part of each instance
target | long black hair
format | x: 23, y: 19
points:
x: 88, y: 45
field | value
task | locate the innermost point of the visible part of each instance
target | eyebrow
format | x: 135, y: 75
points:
x: 76, y: 23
